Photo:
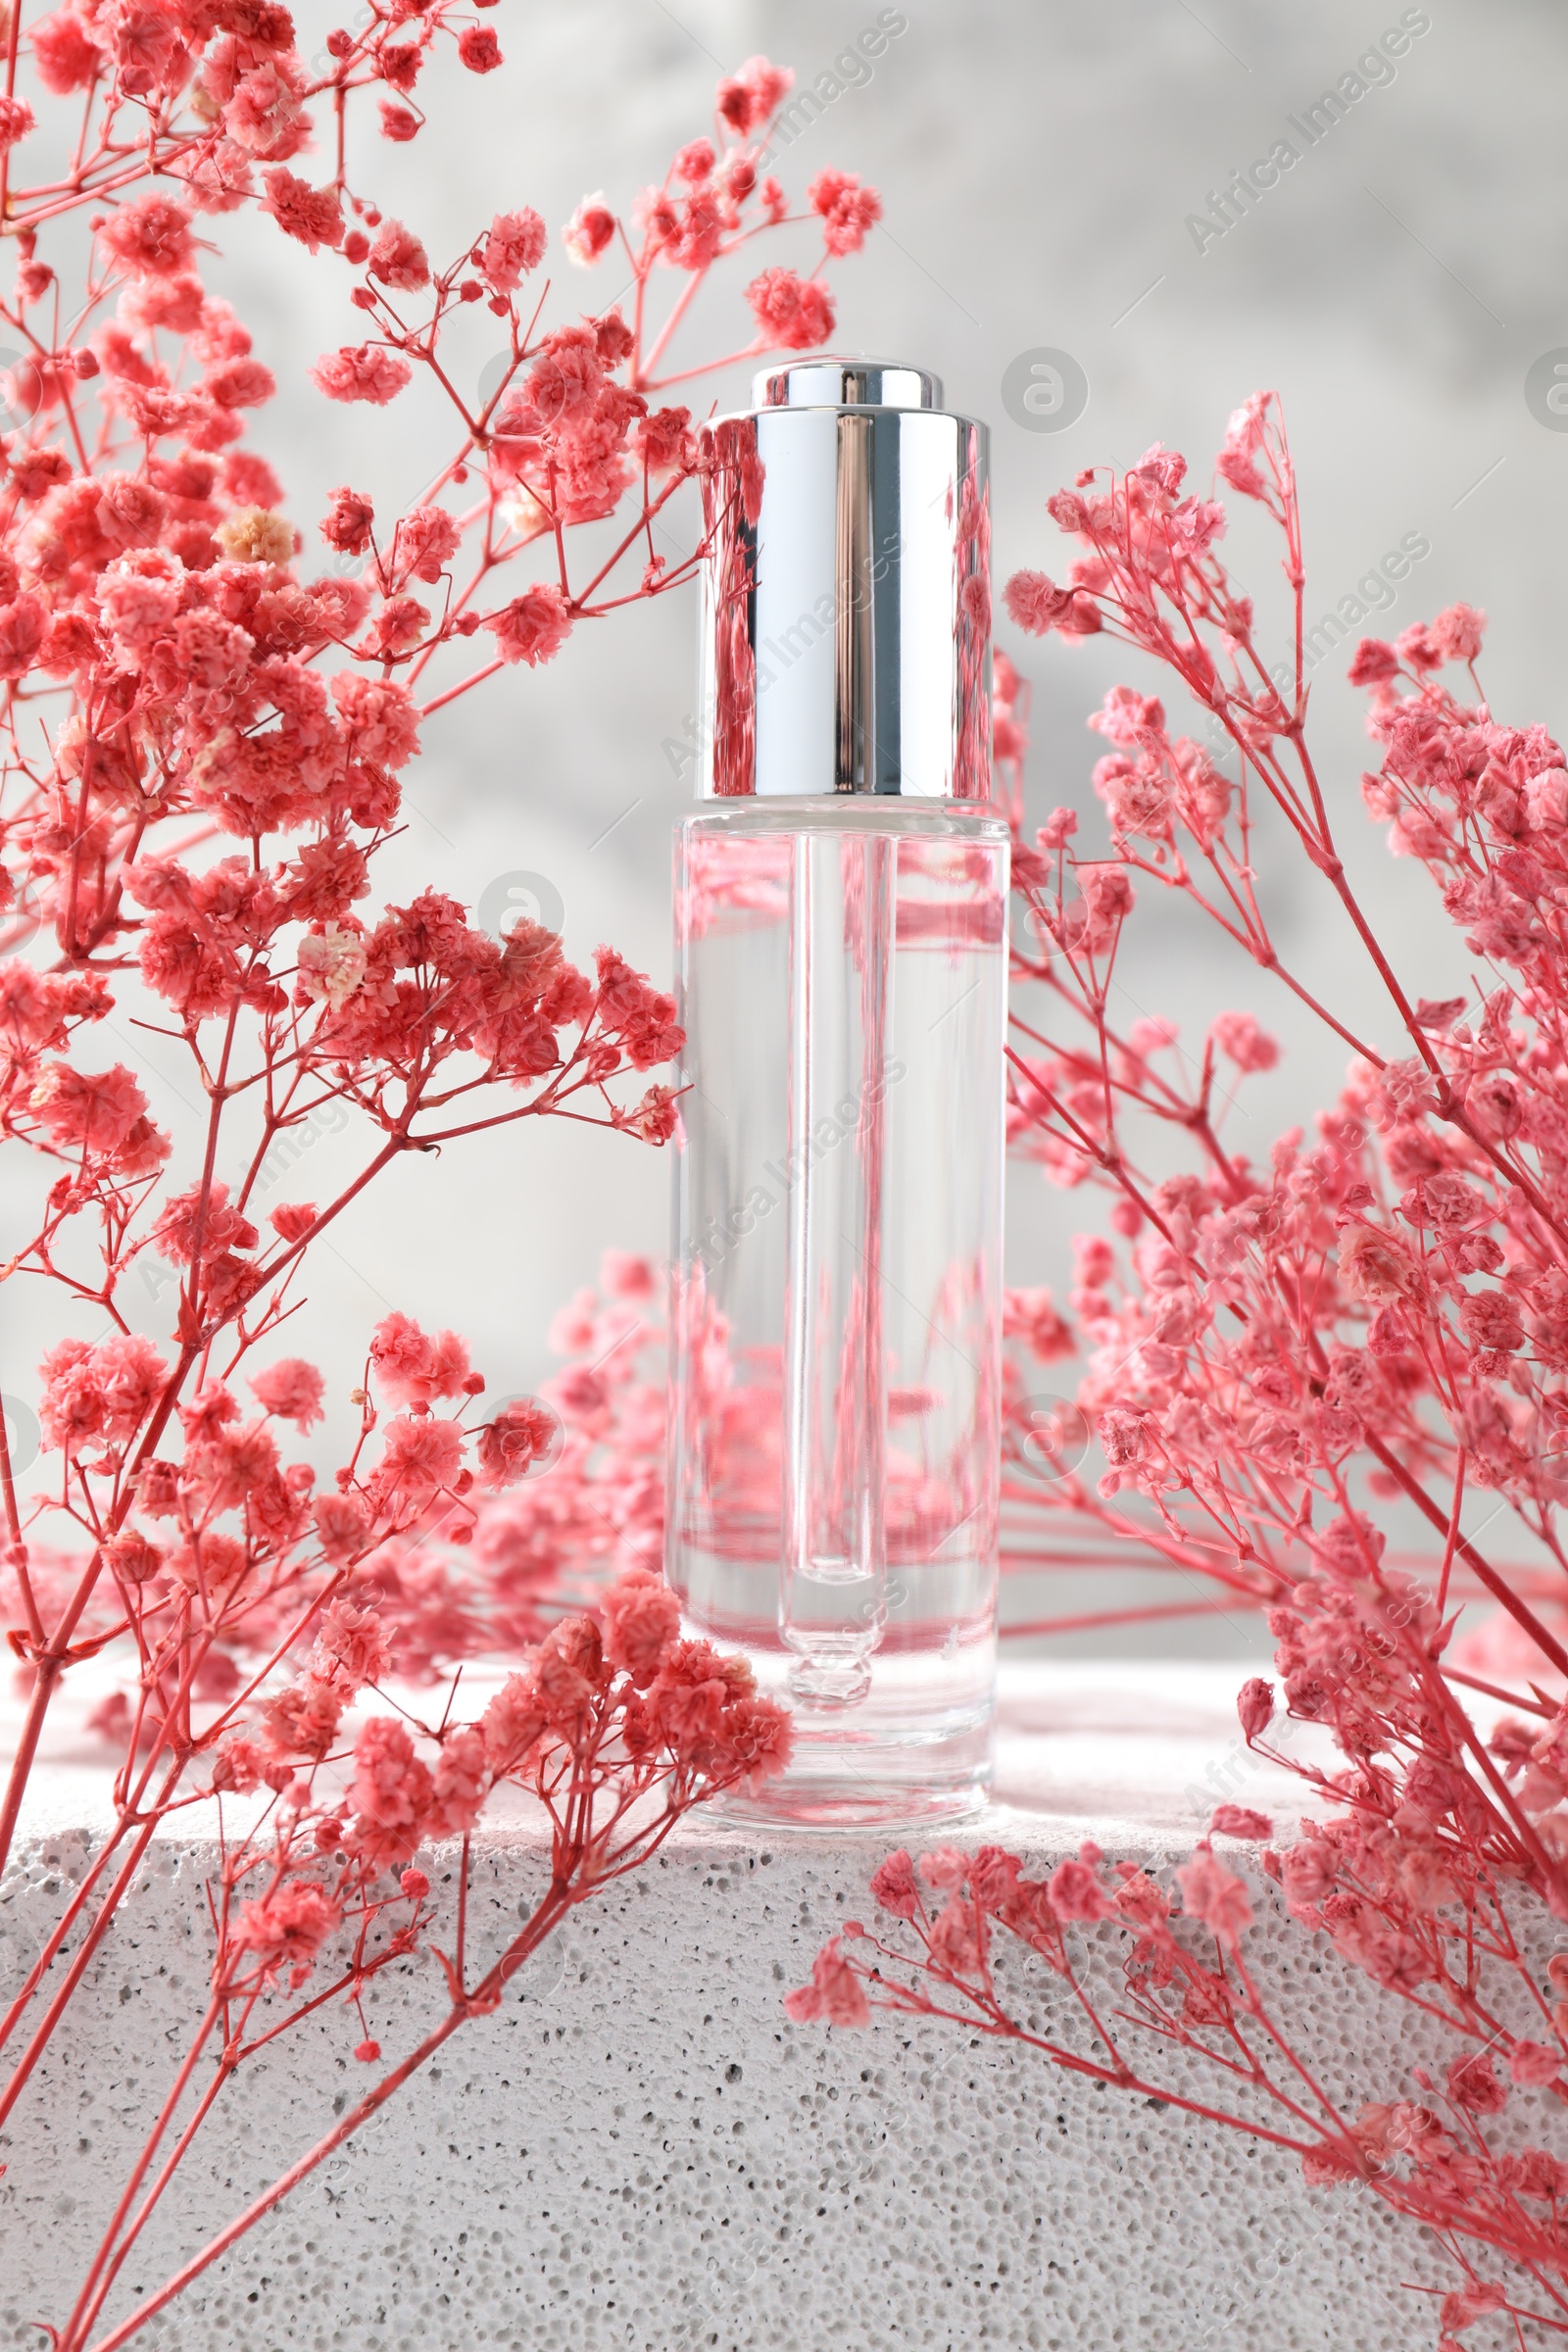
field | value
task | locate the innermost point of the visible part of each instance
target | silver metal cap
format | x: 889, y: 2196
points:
x: 847, y: 589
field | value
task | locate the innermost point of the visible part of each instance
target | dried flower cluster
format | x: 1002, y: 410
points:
x: 1288, y: 1364
x: 203, y: 730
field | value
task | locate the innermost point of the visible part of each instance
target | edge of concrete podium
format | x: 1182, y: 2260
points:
x: 639, y: 2150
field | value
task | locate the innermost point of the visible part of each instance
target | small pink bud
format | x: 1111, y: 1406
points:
x: 1254, y: 1704
x: 368, y: 2052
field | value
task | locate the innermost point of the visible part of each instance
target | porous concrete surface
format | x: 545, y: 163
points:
x: 639, y: 2151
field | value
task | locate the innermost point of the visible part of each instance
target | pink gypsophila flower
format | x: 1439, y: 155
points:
x: 1216, y: 1895
x: 332, y: 964
x: 1248, y: 1046
x: 1075, y: 1892
x: 291, y: 1388
x: 1373, y: 661
x: 341, y: 1525
x: 848, y: 209
x: 642, y: 1618
x: 944, y: 1870
x: 1127, y: 717
x: 242, y: 383
x: 1458, y: 633
x: 695, y: 161
x: 397, y: 258
x: 314, y: 216
x: 263, y: 116
x: 958, y: 1937
x: 421, y: 1458
x: 351, y: 1647
x: 748, y: 97
x: 1238, y: 1821
x: 94, y: 1111
x: 413, y: 1368
x: 99, y: 1393
x: 791, y: 310
x: 240, y: 1765
x: 379, y: 715
x: 349, y: 525
x: 424, y: 543
x: 210, y: 1409
x: 64, y: 53
x: 589, y: 231
x: 137, y: 607
x: 460, y: 1781
x: 17, y: 118
x: 636, y: 1013
x: 286, y: 1929
x: 664, y: 439
x: 513, y: 1722
x: 1036, y: 603
x: 23, y: 624
x: 149, y: 237
x: 364, y: 372
x: 291, y: 1220
x: 521, y: 1435
x: 516, y: 244
x: 191, y: 1225
x: 1534, y: 2064
x: 689, y: 1695
x: 130, y: 1373
x: 533, y: 627
x: 834, y: 1995
x: 1461, y: 2309
x: 391, y: 1792
x: 303, y: 1720
x: 480, y: 50
x: 894, y: 1886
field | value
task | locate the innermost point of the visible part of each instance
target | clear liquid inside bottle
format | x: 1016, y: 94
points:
x: 836, y: 1320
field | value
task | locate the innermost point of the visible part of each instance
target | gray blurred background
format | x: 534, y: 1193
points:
x: 1038, y: 165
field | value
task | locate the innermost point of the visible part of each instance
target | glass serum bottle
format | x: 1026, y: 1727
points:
x: 840, y: 954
